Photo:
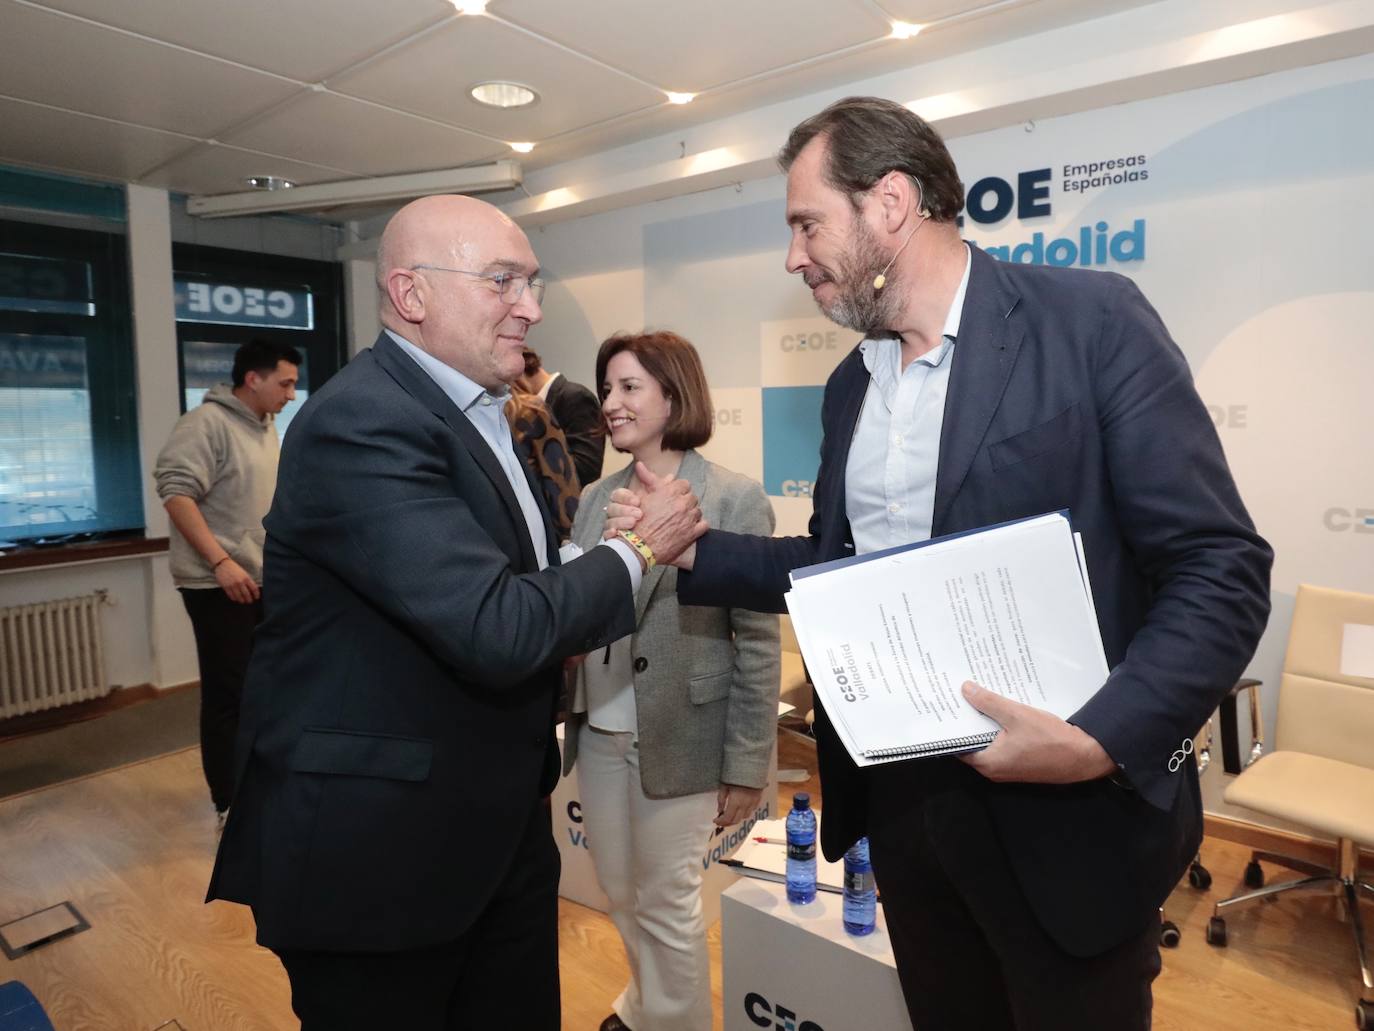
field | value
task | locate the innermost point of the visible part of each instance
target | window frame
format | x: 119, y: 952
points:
x: 323, y: 346
x: 111, y: 373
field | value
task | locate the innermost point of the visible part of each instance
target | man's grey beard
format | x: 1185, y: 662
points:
x: 857, y: 305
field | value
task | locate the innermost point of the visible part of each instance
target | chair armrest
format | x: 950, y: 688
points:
x: 1230, y: 738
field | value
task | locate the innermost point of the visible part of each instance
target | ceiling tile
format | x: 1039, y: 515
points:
x: 68, y: 63
x: 432, y: 76
x: 690, y: 47
x: 922, y: 12
x: 220, y: 169
x: 60, y: 61
x: 302, y: 39
x: 1009, y: 21
x: 327, y: 129
x: 38, y: 135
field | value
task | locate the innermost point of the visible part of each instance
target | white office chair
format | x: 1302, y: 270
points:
x: 1321, y: 773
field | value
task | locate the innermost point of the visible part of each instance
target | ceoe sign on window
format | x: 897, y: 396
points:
x: 230, y: 304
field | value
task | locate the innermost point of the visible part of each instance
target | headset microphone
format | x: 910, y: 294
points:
x: 880, y: 280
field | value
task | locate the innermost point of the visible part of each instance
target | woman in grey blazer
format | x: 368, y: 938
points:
x: 672, y: 728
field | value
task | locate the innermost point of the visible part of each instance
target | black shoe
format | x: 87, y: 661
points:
x: 614, y: 1023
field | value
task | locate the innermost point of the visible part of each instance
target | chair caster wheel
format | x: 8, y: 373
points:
x: 1169, y: 934
x: 1254, y: 875
x: 1364, y: 1015
x: 1198, y: 877
x: 1216, y: 932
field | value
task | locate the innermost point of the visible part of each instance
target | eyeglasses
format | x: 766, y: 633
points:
x: 511, y: 285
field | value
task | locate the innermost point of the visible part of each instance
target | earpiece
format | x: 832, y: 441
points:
x: 880, y: 280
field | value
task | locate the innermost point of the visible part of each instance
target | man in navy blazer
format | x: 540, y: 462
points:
x: 390, y: 827
x: 1020, y: 883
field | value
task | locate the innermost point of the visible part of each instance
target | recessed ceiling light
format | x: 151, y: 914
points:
x: 503, y: 94
x: 905, y: 30
x: 470, y: 6
x: 269, y: 182
x: 522, y: 148
x: 680, y: 98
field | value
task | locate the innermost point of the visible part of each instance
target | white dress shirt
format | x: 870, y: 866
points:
x: 889, y: 483
x: 610, y: 683
x: 544, y: 390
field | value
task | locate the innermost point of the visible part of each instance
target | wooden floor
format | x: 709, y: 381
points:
x: 132, y: 849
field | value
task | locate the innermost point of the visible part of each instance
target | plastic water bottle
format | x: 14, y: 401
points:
x: 801, y: 850
x: 860, y: 891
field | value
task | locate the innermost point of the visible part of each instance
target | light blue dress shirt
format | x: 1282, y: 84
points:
x: 487, y: 414
x: 889, y: 482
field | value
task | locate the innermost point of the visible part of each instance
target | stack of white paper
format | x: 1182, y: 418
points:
x: 889, y: 637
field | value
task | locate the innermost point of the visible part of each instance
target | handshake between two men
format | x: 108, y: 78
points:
x: 664, y: 515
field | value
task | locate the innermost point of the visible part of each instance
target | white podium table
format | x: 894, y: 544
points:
x: 795, y: 967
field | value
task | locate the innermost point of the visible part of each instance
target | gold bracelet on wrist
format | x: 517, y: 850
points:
x: 635, y: 541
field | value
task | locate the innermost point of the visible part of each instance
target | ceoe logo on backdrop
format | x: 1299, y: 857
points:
x: 791, y: 440
x: 775, y: 1015
x: 992, y: 198
x: 797, y: 356
x: 1232, y: 417
x: 1349, y: 520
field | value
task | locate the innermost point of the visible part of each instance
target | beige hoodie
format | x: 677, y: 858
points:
x: 224, y: 458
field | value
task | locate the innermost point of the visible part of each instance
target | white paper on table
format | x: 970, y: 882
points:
x: 1357, y: 650
x: 769, y: 859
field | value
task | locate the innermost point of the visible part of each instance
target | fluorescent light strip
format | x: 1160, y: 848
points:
x: 499, y: 175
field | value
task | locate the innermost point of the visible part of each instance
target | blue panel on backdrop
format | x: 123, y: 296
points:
x: 791, y: 439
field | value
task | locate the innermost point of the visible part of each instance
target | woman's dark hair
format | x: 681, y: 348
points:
x: 674, y: 363
x: 868, y: 137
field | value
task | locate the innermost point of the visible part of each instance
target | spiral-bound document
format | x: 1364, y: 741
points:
x: 890, y: 637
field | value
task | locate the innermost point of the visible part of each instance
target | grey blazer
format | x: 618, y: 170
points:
x: 706, y: 679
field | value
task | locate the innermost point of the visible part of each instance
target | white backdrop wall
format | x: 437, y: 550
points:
x: 1242, y: 213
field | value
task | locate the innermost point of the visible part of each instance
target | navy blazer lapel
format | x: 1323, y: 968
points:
x: 985, y: 352
x: 417, y: 383
x: 852, y: 388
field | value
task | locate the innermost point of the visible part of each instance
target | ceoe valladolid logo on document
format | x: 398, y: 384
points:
x: 845, y: 671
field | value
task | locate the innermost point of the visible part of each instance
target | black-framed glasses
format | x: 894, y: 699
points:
x: 510, y: 284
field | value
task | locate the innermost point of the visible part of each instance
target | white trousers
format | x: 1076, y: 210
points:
x: 647, y: 853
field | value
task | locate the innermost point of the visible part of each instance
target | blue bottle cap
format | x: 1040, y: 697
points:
x: 801, y: 800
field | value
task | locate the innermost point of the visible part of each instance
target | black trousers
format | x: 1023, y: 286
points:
x: 501, y: 973
x: 971, y: 955
x: 224, y: 641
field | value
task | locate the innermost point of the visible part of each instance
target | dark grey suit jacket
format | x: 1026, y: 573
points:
x: 397, y: 723
x: 1066, y: 392
x: 706, y: 679
x: 578, y: 413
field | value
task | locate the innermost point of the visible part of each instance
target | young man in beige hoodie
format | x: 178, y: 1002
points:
x: 216, y: 475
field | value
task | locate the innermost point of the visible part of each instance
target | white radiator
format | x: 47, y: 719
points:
x: 51, y: 654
